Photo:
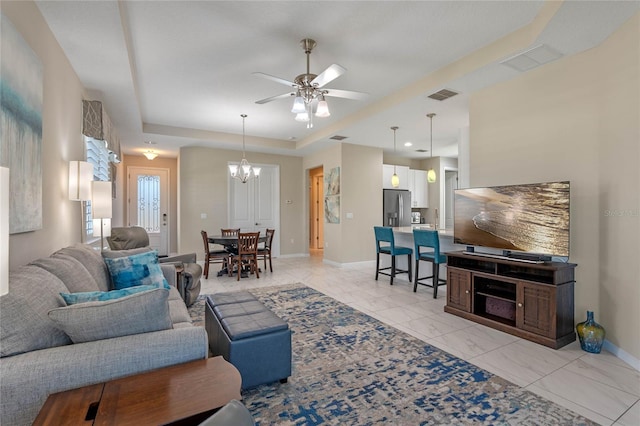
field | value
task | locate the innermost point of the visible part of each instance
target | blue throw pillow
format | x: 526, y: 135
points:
x: 135, y: 270
x: 101, y: 296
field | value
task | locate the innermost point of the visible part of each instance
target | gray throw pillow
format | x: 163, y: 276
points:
x: 70, y: 271
x: 139, y: 313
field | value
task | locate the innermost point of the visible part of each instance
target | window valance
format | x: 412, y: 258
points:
x: 97, y: 125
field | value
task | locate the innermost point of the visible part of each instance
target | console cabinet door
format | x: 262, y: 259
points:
x: 459, y: 289
x: 535, y: 310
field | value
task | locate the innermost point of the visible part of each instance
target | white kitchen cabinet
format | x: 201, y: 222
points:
x: 401, y: 171
x: 419, y: 189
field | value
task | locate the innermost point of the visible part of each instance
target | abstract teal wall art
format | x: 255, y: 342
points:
x: 21, y: 128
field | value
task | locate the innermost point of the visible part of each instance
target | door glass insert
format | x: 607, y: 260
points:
x: 149, y: 202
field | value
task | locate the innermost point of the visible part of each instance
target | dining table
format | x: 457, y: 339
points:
x: 230, y: 243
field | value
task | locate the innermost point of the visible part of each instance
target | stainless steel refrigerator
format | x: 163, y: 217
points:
x: 397, y: 207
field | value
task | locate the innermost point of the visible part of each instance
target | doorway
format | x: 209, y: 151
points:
x: 255, y: 205
x: 148, y: 204
x: 450, y: 184
x: 316, y: 216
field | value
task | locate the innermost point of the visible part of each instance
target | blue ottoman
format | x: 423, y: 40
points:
x: 248, y: 335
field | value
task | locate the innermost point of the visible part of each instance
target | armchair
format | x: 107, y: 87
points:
x: 131, y: 237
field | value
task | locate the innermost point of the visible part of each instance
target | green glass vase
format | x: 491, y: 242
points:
x: 591, y: 334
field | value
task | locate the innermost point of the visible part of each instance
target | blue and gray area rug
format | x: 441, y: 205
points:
x: 351, y: 369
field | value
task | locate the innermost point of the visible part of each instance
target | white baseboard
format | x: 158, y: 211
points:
x: 622, y: 354
x: 285, y: 256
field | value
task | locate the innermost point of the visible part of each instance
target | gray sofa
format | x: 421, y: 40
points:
x: 38, y: 358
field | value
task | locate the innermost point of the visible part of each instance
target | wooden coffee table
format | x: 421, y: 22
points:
x: 180, y: 395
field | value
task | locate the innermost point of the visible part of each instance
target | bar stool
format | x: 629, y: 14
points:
x: 429, y: 239
x: 385, y: 235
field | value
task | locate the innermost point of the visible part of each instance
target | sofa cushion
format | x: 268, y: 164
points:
x: 138, y: 313
x: 102, y: 296
x: 24, y: 324
x: 70, y: 271
x: 136, y: 269
x: 91, y: 260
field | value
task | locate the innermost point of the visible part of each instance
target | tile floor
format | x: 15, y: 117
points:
x: 600, y: 387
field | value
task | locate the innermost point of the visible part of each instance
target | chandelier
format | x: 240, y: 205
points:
x: 244, y: 171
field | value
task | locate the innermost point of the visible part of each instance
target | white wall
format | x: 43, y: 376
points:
x: 61, y: 139
x: 577, y: 119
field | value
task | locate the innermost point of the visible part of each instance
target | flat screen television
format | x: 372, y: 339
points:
x: 530, y: 218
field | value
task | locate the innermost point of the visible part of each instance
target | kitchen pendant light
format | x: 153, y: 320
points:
x: 244, y: 171
x: 431, y: 174
x: 395, y: 180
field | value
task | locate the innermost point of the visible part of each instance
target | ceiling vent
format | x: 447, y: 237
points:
x: 532, y: 58
x: 338, y: 138
x: 422, y: 150
x: 443, y: 94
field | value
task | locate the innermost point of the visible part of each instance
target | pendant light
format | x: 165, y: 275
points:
x: 431, y: 174
x: 245, y: 171
x: 395, y: 180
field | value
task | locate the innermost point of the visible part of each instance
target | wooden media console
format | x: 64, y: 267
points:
x: 530, y: 300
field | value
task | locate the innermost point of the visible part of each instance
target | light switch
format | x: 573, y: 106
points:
x: 349, y: 215
x: 203, y: 215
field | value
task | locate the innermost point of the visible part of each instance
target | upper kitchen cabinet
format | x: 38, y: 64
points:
x: 419, y: 189
x: 401, y: 171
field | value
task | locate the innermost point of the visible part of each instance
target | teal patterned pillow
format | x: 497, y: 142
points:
x: 101, y: 296
x: 135, y: 270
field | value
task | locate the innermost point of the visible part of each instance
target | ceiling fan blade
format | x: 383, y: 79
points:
x: 348, y: 94
x: 331, y: 73
x: 276, y: 79
x: 273, y: 98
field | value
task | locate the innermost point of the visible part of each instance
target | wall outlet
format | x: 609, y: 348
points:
x: 326, y: 244
x: 349, y: 215
x: 292, y: 241
x: 203, y: 215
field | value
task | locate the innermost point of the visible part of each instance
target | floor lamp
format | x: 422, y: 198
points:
x: 4, y: 230
x: 101, y: 209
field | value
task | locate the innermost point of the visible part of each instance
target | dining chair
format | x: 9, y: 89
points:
x: 229, y: 232
x: 385, y: 244
x: 213, y: 256
x: 265, y: 252
x: 247, y: 253
x: 428, y: 239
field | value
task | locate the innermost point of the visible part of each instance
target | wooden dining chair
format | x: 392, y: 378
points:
x: 213, y: 256
x: 229, y: 232
x: 247, y: 253
x: 265, y: 252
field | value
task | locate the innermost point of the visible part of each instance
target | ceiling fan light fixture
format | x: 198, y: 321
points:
x: 302, y: 116
x: 298, y: 105
x: 323, y: 109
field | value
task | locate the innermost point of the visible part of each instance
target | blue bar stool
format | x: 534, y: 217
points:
x: 385, y: 235
x: 429, y: 239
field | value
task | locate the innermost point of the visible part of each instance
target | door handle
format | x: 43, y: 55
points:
x: 257, y: 224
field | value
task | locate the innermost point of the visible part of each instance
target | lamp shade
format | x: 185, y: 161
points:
x: 4, y: 230
x: 101, y: 199
x: 298, y: 105
x: 323, y: 109
x: 431, y: 176
x: 80, y: 177
x: 395, y: 181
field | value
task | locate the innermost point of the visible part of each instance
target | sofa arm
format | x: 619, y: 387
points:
x: 27, y: 379
x: 170, y: 274
x: 184, y: 258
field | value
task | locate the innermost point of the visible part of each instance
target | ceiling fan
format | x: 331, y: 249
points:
x: 309, y: 89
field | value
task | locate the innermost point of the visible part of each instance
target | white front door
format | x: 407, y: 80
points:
x: 149, y: 204
x: 255, y: 204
